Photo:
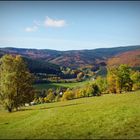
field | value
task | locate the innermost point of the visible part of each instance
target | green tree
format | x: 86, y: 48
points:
x: 124, y: 81
x: 15, y: 82
x: 102, y: 84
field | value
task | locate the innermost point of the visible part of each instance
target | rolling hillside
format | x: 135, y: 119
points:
x: 73, y: 58
x: 40, y: 66
x: 112, y: 116
x: 131, y: 58
x: 97, y: 57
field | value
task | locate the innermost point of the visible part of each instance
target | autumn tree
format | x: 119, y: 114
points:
x: 119, y: 79
x: 15, y: 82
x: 111, y: 80
x: 135, y: 76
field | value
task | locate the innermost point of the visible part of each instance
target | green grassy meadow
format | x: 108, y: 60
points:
x: 58, y: 85
x: 107, y: 116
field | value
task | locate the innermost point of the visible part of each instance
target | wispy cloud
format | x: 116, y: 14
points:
x: 49, y: 22
x: 31, y: 29
x: 37, y: 22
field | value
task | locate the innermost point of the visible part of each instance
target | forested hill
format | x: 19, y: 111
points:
x: 131, y: 58
x: 73, y: 58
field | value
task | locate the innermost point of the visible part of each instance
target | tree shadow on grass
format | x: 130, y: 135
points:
x: 59, y: 106
x: 25, y: 109
x: 43, y: 108
x: 22, y: 109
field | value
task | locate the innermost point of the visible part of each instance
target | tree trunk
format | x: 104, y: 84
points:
x: 9, y: 109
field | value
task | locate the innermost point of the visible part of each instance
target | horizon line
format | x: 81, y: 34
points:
x: 68, y: 50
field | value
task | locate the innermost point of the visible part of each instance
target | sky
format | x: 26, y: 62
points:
x: 69, y: 25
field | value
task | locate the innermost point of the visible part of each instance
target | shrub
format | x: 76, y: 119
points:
x: 96, y: 90
x: 79, y: 93
x: 46, y: 100
x: 50, y: 97
x: 135, y: 76
x: 36, y: 100
x: 41, y: 100
x: 57, y: 98
x: 68, y: 95
x: 89, y: 91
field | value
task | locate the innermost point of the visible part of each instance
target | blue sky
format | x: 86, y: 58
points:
x: 69, y: 25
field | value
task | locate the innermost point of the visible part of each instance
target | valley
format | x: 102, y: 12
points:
x: 69, y: 70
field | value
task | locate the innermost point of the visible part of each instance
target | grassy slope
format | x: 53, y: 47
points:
x: 108, y: 116
x: 58, y: 85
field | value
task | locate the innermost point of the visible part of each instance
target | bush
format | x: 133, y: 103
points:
x: 46, y: 100
x: 50, y: 97
x: 79, y: 93
x: 68, y: 95
x: 89, y: 90
x: 135, y: 76
x: 96, y: 90
x: 41, y: 100
x: 57, y: 98
x: 36, y: 100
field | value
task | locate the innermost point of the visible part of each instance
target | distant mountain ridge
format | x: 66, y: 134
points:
x: 72, y: 58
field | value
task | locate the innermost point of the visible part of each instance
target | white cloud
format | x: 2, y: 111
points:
x: 49, y: 22
x: 31, y: 29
